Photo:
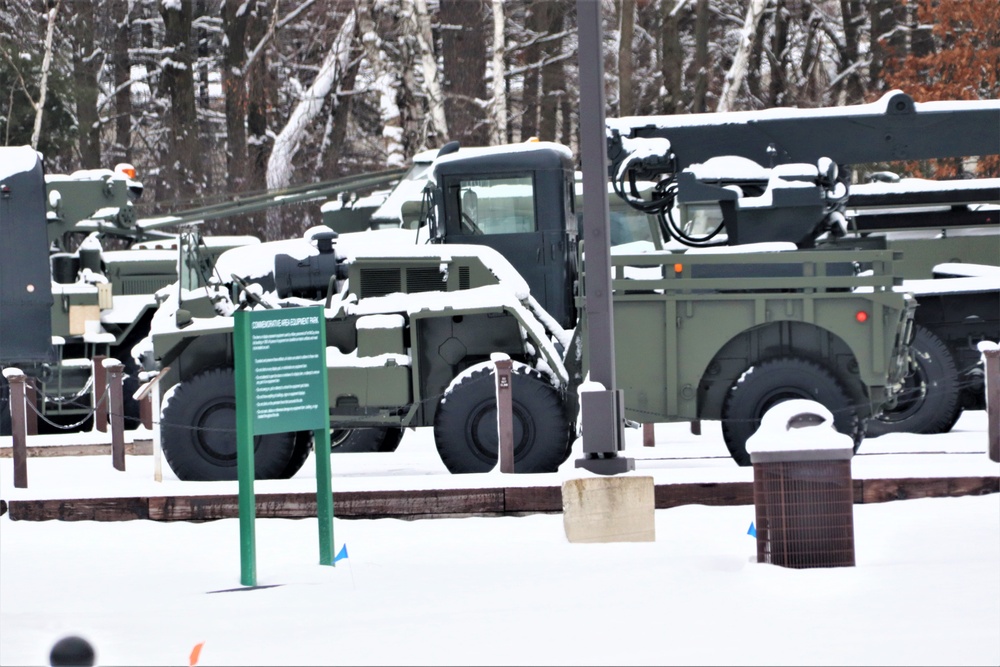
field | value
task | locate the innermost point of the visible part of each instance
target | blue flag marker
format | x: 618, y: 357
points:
x: 752, y: 533
x: 341, y: 554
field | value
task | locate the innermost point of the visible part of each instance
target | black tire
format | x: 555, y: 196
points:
x: 130, y: 384
x: 303, y: 445
x: 363, y: 440
x: 930, y: 401
x: 465, y: 426
x: 198, y: 433
x: 775, y: 381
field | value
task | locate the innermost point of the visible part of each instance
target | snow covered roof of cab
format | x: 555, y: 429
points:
x: 17, y: 160
x: 528, y: 150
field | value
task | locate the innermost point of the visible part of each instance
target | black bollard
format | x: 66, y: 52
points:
x: 72, y: 651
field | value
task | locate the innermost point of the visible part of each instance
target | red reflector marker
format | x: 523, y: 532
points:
x: 861, y: 316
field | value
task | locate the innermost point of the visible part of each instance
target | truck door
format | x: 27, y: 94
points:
x: 502, y: 211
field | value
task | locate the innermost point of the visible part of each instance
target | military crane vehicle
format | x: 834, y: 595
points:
x: 751, y: 177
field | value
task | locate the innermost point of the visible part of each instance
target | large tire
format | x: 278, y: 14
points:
x: 198, y: 434
x: 300, y: 452
x: 363, y: 440
x: 465, y: 426
x: 775, y: 381
x: 130, y: 384
x: 930, y: 401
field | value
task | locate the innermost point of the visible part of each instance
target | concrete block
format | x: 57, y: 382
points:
x: 609, y: 509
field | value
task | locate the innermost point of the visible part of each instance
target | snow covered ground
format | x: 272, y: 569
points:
x: 483, y: 591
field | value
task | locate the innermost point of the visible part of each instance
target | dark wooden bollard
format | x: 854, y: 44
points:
x: 18, y: 426
x: 505, y: 420
x: 116, y: 373
x: 648, y: 435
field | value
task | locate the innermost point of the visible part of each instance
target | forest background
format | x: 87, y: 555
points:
x: 214, y: 99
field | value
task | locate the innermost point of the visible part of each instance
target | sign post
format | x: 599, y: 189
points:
x: 281, y: 387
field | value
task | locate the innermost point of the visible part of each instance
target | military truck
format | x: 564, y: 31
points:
x: 412, y: 330
x: 743, y: 178
x: 98, y: 302
x: 103, y: 274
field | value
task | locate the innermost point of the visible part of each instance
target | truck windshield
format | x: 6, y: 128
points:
x: 497, y: 205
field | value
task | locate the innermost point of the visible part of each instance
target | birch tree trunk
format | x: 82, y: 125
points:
x: 386, y: 84
x: 287, y: 143
x: 738, y: 71
x: 498, y: 104
x: 44, y: 84
x: 437, y: 130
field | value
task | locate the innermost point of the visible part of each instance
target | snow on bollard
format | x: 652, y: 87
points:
x: 803, y: 491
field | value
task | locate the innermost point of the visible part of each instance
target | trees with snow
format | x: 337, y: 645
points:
x: 214, y: 98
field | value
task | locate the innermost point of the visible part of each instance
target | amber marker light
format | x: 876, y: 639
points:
x: 861, y: 316
x: 678, y: 267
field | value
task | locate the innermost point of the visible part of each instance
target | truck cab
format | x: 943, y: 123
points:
x: 518, y: 200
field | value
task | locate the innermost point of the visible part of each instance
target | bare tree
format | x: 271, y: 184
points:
x: 626, y: 31
x: 385, y: 82
x: 46, y: 63
x: 437, y: 130
x: 288, y: 141
x: 498, y: 101
x: 738, y: 70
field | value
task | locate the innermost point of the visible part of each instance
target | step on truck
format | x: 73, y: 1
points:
x: 742, y: 178
x: 411, y: 330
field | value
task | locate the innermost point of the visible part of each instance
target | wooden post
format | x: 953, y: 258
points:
x: 100, y: 392
x: 30, y: 405
x: 18, y: 426
x: 648, y: 436
x: 505, y: 421
x: 992, y: 355
x: 116, y: 372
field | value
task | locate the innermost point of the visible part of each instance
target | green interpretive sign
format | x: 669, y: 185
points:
x: 281, y: 388
x: 286, y: 372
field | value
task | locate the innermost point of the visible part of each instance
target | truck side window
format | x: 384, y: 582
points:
x: 498, y: 205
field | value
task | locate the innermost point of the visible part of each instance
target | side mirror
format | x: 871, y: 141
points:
x: 182, y: 318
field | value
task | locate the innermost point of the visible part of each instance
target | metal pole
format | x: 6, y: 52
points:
x: 18, y: 425
x: 116, y: 372
x: 505, y: 419
x: 601, y: 409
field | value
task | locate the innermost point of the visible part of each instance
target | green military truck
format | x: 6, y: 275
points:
x: 95, y: 302
x: 739, y: 178
x: 82, y: 251
x: 411, y: 330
